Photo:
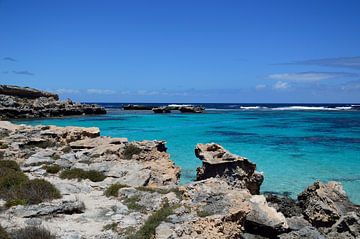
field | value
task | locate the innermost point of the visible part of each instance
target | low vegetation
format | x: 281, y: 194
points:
x: 132, y: 203
x: 80, y: 174
x: 131, y: 150
x: 17, y: 189
x: 3, y: 233
x: 32, y: 232
x: 147, y: 231
x: 111, y: 226
x: 3, y: 145
x: 161, y: 190
x: 53, y: 169
x: 113, y: 190
x: 204, y: 213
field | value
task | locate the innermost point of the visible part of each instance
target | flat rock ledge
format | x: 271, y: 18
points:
x: 223, y: 203
x: 24, y: 102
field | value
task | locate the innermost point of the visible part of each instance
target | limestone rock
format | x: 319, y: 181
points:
x: 264, y: 220
x: 236, y: 170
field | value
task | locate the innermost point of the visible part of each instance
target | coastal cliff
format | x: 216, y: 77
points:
x: 79, y: 184
x: 25, y: 102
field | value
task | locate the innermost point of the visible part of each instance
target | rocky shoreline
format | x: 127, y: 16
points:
x: 24, y: 102
x: 113, y: 188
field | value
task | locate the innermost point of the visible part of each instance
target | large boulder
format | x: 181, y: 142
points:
x: 324, y: 204
x: 237, y: 171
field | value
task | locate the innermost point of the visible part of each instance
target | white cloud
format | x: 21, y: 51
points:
x: 281, y: 85
x: 100, y: 91
x: 260, y: 87
x: 348, y: 62
x: 309, y: 76
x: 67, y: 91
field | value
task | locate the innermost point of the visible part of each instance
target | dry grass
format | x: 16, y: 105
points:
x: 81, y: 174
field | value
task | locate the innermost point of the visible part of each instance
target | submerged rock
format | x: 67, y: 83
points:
x: 237, y: 171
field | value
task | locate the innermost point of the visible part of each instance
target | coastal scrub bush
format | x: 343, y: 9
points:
x: 3, y: 145
x: 9, y: 164
x: 161, y: 190
x: 111, y: 226
x: 17, y: 189
x: 131, y: 150
x: 114, y: 189
x: 37, y: 190
x: 80, y: 174
x: 52, y: 168
x: 132, y: 203
x: 3, y: 233
x: 32, y: 232
x: 147, y: 231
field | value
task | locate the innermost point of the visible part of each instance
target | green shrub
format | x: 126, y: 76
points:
x: 52, y: 168
x: 131, y: 150
x: 80, y: 174
x: 3, y: 145
x: 203, y: 213
x: 9, y: 164
x: 15, y: 202
x: 17, y: 189
x: 3, y: 233
x: 37, y: 190
x: 32, y: 232
x: 161, y: 190
x: 147, y: 231
x: 132, y: 203
x: 114, y: 189
x: 10, y: 182
x: 111, y: 226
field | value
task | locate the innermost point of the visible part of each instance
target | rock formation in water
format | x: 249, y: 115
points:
x: 235, y: 170
x: 24, y: 102
x: 112, y: 188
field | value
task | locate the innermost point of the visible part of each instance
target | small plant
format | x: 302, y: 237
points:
x: 161, y: 190
x: 111, y: 226
x: 131, y: 150
x: 32, y: 232
x: 14, y: 202
x: 9, y: 164
x: 10, y: 182
x: 55, y: 156
x: 204, y: 213
x: 52, y: 168
x: 80, y: 174
x: 132, y: 203
x: 36, y: 191
x: 114, y: 189
x: 3, y: 145
x: 147, y: 231
x: 3, y: 233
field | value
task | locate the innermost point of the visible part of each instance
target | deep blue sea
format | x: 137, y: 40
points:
x: 292, y: 144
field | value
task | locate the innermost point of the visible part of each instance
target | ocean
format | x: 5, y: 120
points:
x: 292, y: 144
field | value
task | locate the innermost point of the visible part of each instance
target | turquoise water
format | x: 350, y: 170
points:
x: 292, y: 148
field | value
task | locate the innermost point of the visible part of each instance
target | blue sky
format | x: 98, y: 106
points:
x: 184, y: 51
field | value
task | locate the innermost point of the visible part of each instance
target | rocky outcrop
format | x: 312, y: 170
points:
x: 139, y: 192
x: 237, y: 171
x: 24, y: 102
x: 25, y: 92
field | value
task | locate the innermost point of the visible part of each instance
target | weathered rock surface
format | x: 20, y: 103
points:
x: 223, y: 204
x: 24, y: 102
x: 324, y: 204
x: 236, y: 170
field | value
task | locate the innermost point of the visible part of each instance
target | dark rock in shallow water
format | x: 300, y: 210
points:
x: 137, y: 107
x: 284, y: 204
x: 236, y: 170
x: 22, y: 102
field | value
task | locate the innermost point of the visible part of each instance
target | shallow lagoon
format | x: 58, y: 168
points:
x: 292, y: 148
